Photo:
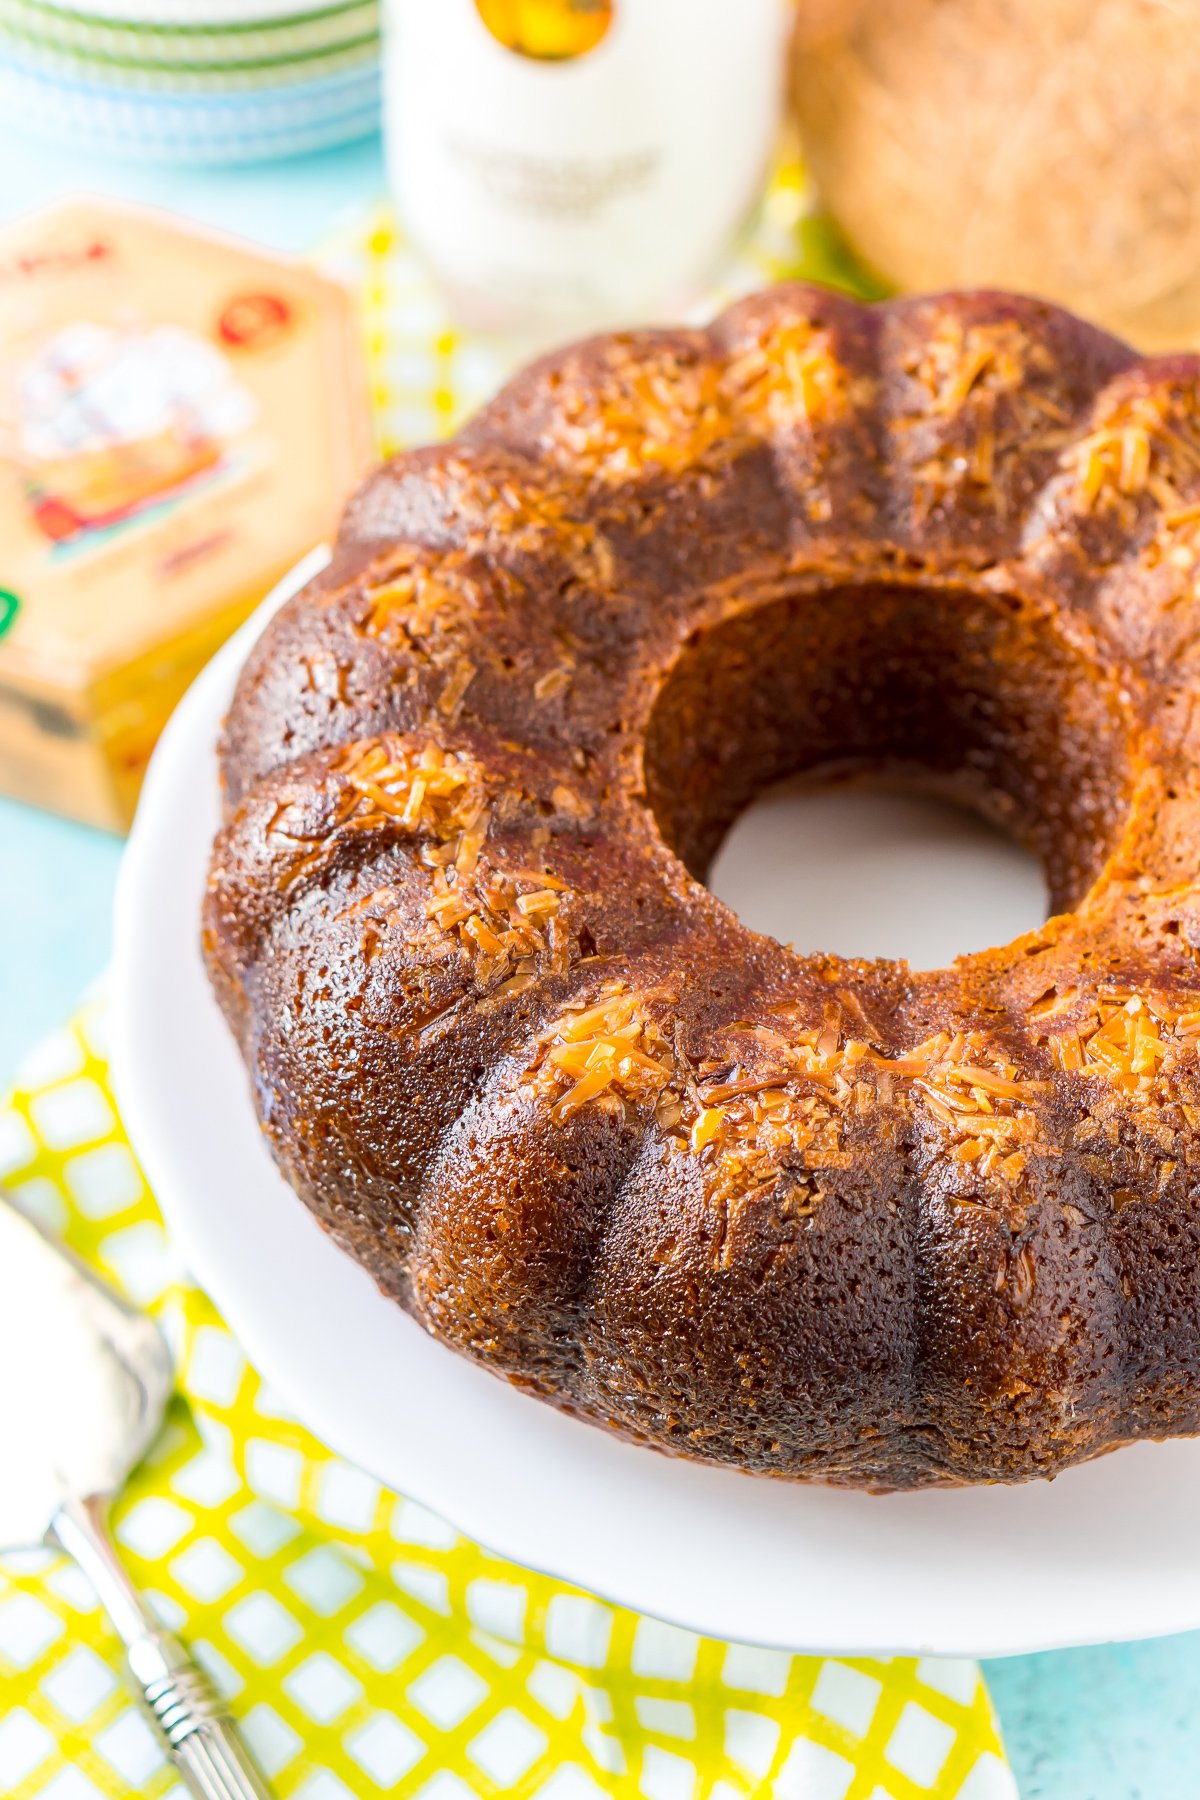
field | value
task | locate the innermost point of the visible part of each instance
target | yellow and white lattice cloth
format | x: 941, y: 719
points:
x: 365, y: 1647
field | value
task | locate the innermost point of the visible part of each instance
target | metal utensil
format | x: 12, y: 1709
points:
x: 79, y: 1329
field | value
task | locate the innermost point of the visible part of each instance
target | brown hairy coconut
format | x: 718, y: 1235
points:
x: 1046, y: 145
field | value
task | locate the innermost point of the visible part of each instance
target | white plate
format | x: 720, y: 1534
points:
x: 1106, y: 1552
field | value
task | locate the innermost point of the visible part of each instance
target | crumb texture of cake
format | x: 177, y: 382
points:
x: 800, y: 1215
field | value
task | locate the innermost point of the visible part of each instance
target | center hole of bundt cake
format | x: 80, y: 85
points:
x: 869, y: 869
x: 977, y: 697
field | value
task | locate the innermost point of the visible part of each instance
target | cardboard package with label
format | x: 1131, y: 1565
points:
x: 181, y: 418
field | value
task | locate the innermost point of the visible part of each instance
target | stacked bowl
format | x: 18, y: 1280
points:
x: 192, y: 81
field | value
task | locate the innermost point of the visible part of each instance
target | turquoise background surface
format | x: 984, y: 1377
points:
x: 1120, y: 1723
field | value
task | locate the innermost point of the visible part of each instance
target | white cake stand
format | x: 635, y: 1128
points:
x: 1110, y: 1551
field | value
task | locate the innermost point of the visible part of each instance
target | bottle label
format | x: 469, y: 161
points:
x: 548, y: 30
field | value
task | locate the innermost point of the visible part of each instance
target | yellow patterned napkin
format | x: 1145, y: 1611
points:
x: 367, y: 1648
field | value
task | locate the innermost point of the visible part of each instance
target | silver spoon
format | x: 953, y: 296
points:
x: 85, y: 1385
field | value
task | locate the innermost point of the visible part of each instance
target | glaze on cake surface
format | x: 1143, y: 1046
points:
x: 810, y: 1216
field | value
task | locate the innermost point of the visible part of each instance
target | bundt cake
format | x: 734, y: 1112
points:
x: 802, y: 1215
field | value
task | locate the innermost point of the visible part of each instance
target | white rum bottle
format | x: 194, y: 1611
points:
x: 565, y: 164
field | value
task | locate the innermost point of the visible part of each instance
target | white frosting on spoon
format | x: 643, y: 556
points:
x: 69, y: 1408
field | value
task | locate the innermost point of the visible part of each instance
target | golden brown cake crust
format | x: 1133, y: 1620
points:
x: 803, y: 1215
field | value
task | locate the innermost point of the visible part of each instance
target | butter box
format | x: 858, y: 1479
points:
x: 181, y: 418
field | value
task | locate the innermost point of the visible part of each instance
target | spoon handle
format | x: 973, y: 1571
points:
x: 196, y: 1732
